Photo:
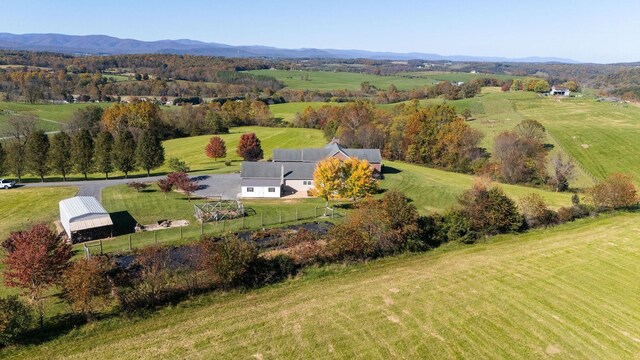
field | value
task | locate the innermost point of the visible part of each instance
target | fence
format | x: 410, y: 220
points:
x: 184, y: 234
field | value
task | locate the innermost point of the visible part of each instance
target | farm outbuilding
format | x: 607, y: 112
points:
x: 83, y: 218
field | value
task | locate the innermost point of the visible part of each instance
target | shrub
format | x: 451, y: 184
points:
x: 227, y: 163
x: 616, y: 191
x: 535, y: 211
x: 570, y: 213
x: 139, y: 186
x: 15, y: 318
x: 456, y: 226
x: 86, y: 285
x: 177, y: 165
x: 227, y: 259
x: 489, y: 211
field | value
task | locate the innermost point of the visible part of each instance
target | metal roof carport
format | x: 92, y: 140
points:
x: 82, y: 213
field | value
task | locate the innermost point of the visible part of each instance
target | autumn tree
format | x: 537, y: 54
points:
x: 138, y: 186
x: 616, y: 191
x: 60, y: 154
x: 82, y: 152
x: 519, y: 159
x: 563, y: 171
x: 34, y: 261
x: 165, y: 186
x: 188, y: 187
x: 357, y: 179
x: 124, y: 151
x: 176, y: 178
x: 103, y: 155
x: 531, y: 129
x: 86, y: 285
x: 327, y: 179
x: 249, y: 147
x: 149, y: 151
x: 37, y: 153
x: 216, y: 148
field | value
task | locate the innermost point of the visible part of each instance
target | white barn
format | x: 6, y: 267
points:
x: 82, y: 214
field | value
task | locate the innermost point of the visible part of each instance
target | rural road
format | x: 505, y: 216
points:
x: 225, y: 185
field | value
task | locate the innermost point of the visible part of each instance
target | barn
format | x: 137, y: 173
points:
x: 83, y: 218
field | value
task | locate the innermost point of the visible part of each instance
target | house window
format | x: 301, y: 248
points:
x: 249, y: 189
x: 272, y: 189
x: 306, y: 182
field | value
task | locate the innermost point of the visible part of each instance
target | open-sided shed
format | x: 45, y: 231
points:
x: 83, y: 218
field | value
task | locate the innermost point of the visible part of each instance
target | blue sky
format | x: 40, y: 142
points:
x: 595, y: 31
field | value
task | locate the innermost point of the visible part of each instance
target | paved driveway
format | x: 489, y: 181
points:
x: 225, y: 185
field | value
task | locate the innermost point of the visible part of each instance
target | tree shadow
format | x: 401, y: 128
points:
x: 390, y: 170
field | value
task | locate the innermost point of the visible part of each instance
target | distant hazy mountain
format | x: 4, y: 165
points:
x: 107, y: 45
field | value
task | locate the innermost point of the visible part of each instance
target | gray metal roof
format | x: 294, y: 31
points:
x: 260, y: 182
x: 264, y: 170
x: 82, y: 212
x: 276, y: 170
x: 317, y: 154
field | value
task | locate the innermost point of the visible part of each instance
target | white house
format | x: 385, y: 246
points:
x: 559, y: 90
x: 291, y: 171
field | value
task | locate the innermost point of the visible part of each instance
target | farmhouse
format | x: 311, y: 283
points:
x: 559, y: 90
x: 83, y: 218
x: 291, y: 171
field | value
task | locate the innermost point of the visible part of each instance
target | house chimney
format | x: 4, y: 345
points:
x: 281, y: 174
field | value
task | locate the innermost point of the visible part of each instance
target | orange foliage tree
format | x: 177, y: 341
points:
x: 216, y: 148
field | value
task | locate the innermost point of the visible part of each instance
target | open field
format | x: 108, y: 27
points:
x: 328, y: 80
x: 569, y: 291
x: 436, y: 190
x: 21, y: 207
x: 51, y: 117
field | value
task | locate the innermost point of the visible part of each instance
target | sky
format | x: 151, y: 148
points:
x: 587, y: 30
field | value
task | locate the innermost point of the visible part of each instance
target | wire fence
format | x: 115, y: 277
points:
x: 184, y: 234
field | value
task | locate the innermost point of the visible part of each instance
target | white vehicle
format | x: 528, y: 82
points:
x: 6, y: 184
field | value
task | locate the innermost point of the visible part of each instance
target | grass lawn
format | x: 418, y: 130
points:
x: 436, y: 190
x: 568, y: 292
x: 51, y: 117
x: 21, y: 207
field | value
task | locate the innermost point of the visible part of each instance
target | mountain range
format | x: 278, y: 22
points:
x: 108, y: 45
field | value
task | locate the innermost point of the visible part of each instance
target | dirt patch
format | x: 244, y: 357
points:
x: 394, y: 319
x: 585, y: 146
x: 552, y: 350
x: 388, y: 301
x: 167, y: 224
x: 258, y: 356
x: 394, y: 290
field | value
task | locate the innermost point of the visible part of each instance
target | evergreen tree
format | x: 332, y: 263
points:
x: 82, y: 152
x: 102, y: 153
x: 149, y: 152
x: 3, y: 161
x: 124, y: 151
x: 37, y: 153
x: 60, y: 154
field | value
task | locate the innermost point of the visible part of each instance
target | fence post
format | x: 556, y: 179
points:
x: 130, y: 242
x: 280, y: 216
x: 155, y: 236
x: 100, y: 246
x: 261, y: 219
x: 243, y: 222
x: 201, y: 228
x: 180, y: 232
x: 297, y: 217
x: 223, y: 224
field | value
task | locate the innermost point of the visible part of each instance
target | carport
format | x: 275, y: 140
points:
x: 83, y: 218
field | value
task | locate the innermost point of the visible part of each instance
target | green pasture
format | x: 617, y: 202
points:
x: 568, y: 292
x: 50, y: 117
x: 330, y: 80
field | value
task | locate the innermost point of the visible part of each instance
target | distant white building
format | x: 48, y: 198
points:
x: 559, y: 90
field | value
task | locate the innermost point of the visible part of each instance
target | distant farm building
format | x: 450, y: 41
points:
x: 559, y: 90
x: 291, y: 171
x: 83, y: 219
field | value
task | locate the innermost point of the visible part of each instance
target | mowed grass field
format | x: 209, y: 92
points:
x: 24, y: 206
x: 569, y: 292
x: 329, y: 80
x: 51, y: 117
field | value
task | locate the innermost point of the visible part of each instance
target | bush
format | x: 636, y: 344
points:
x: 616, y: 191
x: 139, y: 186
x: 86, y: 285
x: 227, y: 163
x: 263, y: 271
x: 489, y: 211
x: 456, y: 226
x: 177, y: 165
x: 570, y: 213
x: 227, y: 259
x: 535, y: 211
x: 15, y: 318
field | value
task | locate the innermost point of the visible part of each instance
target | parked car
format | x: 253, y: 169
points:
x: 6, y: 184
